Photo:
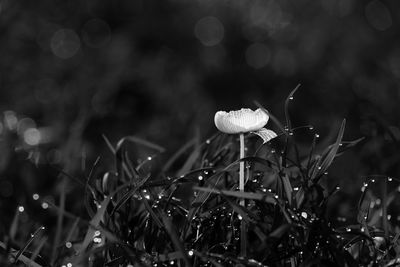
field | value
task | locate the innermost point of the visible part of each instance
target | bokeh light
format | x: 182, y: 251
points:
x: 378, y: 15
x: 32, y: 136
x: 209, y: 31
x: 65, y: 43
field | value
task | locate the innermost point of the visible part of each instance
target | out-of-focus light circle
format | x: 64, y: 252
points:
x: 258, y: 55
x: 268, y: 15
x: 209, y: 31
x: 96, y: 33
x: 21, y: 208
x: 25, y: 124
x: 65, y: 43
x: 35, y: 196
x: 10, y: 120
x: 32, y: 136
x: 378, y: 15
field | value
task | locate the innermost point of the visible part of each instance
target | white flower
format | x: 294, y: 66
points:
x: 240, y: 121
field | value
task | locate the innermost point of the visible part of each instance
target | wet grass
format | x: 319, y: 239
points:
x: 188, y: 211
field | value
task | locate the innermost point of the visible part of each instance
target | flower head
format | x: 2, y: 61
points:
x: 240, y: 121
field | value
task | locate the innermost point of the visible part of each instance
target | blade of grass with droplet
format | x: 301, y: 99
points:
x: 268, y: 198
x: 324, y: 163
x: 95, y: 221
x: 140, y: 141
x: 287, y: 116
x: 26, y: 245
x: 348, y: 144
x: 287, y: 187
x: 310, y: 154
x: 174, y: 238
x: 72, y: 229
x: 150, y: 211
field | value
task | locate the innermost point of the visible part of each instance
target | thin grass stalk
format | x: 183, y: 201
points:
x: 60, y: 218
x: 242, y: 202
x: 384, y: 208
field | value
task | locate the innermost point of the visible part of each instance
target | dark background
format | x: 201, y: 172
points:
x: 71, y: 71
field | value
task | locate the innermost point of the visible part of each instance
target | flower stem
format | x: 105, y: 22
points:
x: 243, y: 234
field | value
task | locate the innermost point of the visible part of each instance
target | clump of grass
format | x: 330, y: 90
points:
x: 189, y: 212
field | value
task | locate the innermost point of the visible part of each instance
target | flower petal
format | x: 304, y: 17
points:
x: 240, y: 121
x: 265, y: 134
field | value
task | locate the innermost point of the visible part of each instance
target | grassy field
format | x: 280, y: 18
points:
x: 189, y: 209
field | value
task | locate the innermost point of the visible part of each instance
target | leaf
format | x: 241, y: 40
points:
x: 324, y: 162
x: 280, y: 231
x: 94, y: 222
x: 290, y: 97
x: 287, y: 187
x: 175, y: 239
x: 247, y: 195
x: 139, y: 141
x: 33, y: 236
x: 265, y: 134
x: 22, y: 258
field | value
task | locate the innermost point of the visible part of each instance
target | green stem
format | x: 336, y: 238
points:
x: 241, y: 171
x: 243, y: 233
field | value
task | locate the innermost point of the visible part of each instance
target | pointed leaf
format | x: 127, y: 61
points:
x: 265, y: 134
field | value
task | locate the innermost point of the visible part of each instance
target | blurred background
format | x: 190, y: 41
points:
x: 71, y: 71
